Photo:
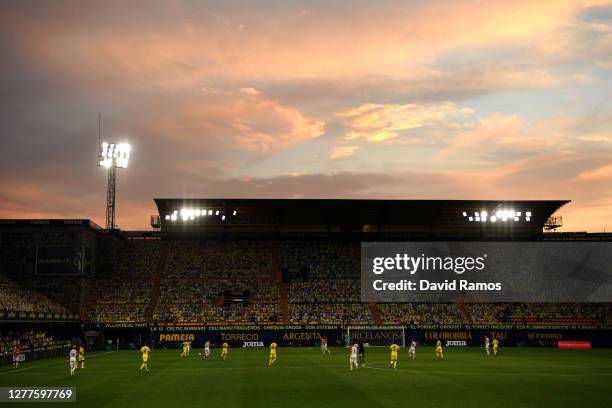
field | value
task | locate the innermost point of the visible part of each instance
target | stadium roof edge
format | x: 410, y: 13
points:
x: 372, y: 214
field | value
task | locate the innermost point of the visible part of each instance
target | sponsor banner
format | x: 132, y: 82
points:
x: 247, y: 344
x: 574, y: 344
x: 240, y: 337
x: 378, y: 336
x: 456, y: 343
x: 486, y: 272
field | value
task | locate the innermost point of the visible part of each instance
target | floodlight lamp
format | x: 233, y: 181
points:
x: 464, y: 214
x: 112, y: 154
x: 234, y: 213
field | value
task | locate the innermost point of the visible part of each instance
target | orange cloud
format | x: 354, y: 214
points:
x: 247, y: 121
x: 600, y: 173
x: 382, y: 123
x: 340, y: 152
x: 503, y: 131
x: 596, y: 138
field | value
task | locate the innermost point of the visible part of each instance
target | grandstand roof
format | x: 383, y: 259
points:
x: 444, y: 217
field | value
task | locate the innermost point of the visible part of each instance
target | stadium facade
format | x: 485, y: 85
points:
x: 255, y: 270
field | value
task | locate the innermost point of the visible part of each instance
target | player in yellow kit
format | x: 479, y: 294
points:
x: 439, y: 353
x: 272, y: 359
x: 224, y: 349
x: 81, y: 357
x: 495, y: 346
x: 185, y: 352
x: 394, y: 351
x: 145, y: 350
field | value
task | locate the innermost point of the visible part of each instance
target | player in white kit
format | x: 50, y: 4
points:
x: 412, y: 349
x: 206, y: 349
x: 324, y: 349
x: 487, y: 344
x: 353, y: 359
x: 73, y: 360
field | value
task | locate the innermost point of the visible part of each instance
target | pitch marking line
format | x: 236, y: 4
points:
x: 53, y: 363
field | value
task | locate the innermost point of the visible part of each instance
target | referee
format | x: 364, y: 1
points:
x: 361, y: 350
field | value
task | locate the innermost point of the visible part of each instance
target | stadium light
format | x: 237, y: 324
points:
x: 112, y: 156
x: 190, y: 214
x: 117, y: 155
x: 500, y: 214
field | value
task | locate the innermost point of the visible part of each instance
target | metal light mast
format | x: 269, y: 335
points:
x: 112, y: 156
x: 110, y: 199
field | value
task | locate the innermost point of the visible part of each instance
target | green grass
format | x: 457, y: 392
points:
x: 518, y: 377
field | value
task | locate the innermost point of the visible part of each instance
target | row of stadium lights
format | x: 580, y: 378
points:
x: 500, y: 215
x: 190, y: 214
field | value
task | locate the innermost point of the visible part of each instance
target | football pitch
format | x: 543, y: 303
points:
x: 303, y: 377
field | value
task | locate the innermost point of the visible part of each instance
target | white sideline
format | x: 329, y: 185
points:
x: 48, y: 364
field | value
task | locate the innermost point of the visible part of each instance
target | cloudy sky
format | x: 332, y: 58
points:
x: 359, y: 99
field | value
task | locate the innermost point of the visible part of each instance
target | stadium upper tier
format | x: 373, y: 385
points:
x: 370, y: 219
x: 273, y: 261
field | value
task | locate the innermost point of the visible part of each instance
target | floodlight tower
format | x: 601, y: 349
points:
x: 113, y: 156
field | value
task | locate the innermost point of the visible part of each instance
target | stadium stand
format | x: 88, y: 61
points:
x: 14, y: 297
x: 27, y: 340
x: 200, y: 273
x: 126, y: 295
x: 236, y: 282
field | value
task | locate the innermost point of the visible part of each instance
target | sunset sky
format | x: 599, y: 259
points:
x: 282, y: 99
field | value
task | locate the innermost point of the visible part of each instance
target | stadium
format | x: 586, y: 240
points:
x: 309, y: 204
x: 253, y: 272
